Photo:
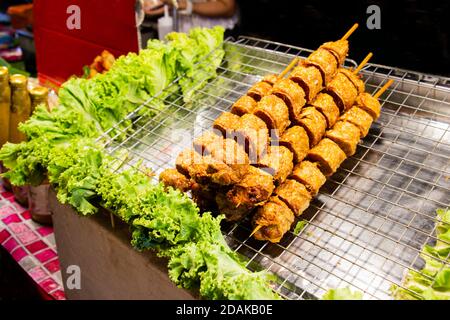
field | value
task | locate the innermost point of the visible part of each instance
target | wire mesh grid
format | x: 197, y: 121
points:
x: 367, y: 226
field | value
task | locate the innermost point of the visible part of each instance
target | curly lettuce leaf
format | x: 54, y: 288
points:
x: 432, y: 282
x: 217, y: 272
x: 342, y: 294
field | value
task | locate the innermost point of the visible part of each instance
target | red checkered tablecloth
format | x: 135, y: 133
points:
x: 31, y: 245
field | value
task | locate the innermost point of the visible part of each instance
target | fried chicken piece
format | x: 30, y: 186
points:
x: 253, y: 134
x: 231, y: 153
x: 254, y: 189
x: 343, y: 92
x: 226, y: 123
x: 346, y: 136
x: 173, y: 178
x: 295, y: 195
x: 309, y: 174
x: 369, y: 104
x: 292, y: 95
x: 339, y: 48
x: 208, y: 138
x: 186, y: 159
x: 359, y: 118
x: 278, y: 162
x: 355, y: 79
x: 231, y: 211
x: 326, y: 105
x: 243, y: 105
x: 329, y: 156
x: 314, y: 123
x: 209, y: 170
x: 274, y: 112
x: 296, y: 140
x: 259, y: 90
x: 309, y: 78
x: 325, y: 61
x: 204, y: 196
x: 276, y: 219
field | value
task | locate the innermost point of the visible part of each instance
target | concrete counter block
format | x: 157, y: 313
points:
x: 110, y: 267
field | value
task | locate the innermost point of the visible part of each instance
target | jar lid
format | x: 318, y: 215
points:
x: 39, y: 92
x: 3, y: 72
x: 18, y: 80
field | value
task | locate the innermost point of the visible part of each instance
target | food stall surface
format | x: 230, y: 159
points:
x: 31, y: 245
x: 370, y: 221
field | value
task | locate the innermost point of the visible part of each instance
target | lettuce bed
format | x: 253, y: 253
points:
x: 61, y: 147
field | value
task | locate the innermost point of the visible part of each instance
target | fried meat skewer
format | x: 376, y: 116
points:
x: 210, y: 168
x: 327, y: 157
x: 309, y: 75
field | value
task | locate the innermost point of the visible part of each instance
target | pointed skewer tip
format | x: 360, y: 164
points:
x: 383, y: 89
x: 288, y: 68
x: 256, y: 230
x: 350, y: 31
x: 363, y: 63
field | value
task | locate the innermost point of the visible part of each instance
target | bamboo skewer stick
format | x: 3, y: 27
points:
x: 295, y: 60
x: 376, y: 96
x: 255, y: 230
x: 383, y: 89
x: 363, y: 63
x: 350, y: 31
x: 288, y: 68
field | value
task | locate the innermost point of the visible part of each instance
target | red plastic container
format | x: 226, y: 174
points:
x: 62, y: 51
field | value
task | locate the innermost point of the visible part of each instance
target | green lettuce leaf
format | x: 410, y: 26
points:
x: 342, y: 294
x: 432, y: 282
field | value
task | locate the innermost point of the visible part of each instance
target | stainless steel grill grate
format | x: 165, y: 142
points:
x: 368, y: 224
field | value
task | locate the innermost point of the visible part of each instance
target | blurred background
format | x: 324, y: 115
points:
x: 414, y: 34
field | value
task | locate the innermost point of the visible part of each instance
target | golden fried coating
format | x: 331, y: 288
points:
x: 314, y: 123
x: 276, y: 219
x: 355, y: 79
x: 339, y: 48
x: 254, y: 189
x: 243, y: 105
x: 309, y: 78
x: 186, y: 159
x: 359, y: 118
x: 259, y: 90
x: 295, y: 195
x: 369, y: 104
x: 228, y: 151
x: 343, y: 91
x: 296, y: 140
x: 278, y: 162
x: 253, y: 134
x: 226, y: 123
x: 345, y: 135
x: 231, y: 153
x: 292, y: 94
x: 231, y: 212
x: 326, y: 105
x: 208, y: 138
x: 329, y: 156
x: 271, y: 79
x: 209, y: 170
x: 204, y: 196
x: 173, y: 178
x: 309, y: 174
x: 274, y: 112
x: 325, y: 61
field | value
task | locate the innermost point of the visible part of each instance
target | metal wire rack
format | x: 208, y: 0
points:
x: 367, y: 226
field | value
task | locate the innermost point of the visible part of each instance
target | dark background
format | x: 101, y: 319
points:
x: 414, y: 34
